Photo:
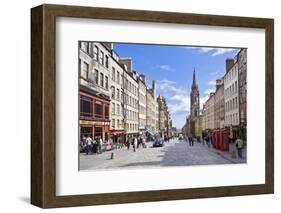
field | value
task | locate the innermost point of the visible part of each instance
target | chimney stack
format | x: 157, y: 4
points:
x: 229, y: 62
x: 142, y: 76
x: 154, y: 87
x: 219, y: 82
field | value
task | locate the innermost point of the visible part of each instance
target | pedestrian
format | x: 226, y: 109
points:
x: 100, y: 145
x: 239, y: 146
x: 144, y: 142
x: 139, y: 141
x: 88, y: 145
x: 128, y: 143
x: 135, y: 143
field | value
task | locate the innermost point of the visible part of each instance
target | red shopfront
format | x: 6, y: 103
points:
x: 94, y: 115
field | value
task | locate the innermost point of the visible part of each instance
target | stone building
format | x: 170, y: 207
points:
x: 209, y: 115
x: 117, y: 130
x: 231, y: 96
x: 142, y: 102
x: 242, y: 70
x: 163, y: 116
x: 219, y: 105
x: 131, y: 93
x: 151, y: 108
x: 94, y: 90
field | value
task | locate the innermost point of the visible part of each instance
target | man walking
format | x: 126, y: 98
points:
x: 135, y: 143
x: 100, y: 145
x: 239, y: 146
x: 88, y: 144
x: 128, y: 142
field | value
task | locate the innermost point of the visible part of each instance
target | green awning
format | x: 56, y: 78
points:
x: 149, y: 132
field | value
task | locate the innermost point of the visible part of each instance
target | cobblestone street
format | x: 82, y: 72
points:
x: 174, y: 153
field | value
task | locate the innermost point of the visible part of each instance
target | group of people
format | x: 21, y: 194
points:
x: 88, y: 145
x: 136, y: 142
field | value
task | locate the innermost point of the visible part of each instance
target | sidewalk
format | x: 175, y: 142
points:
x: 232, y: 154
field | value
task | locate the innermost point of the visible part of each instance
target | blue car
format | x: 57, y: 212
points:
x: 159, y: 142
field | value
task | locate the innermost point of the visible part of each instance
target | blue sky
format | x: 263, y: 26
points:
x: 172, y: 67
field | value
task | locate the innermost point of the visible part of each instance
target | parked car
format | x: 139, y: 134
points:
x: 158, y: 142
x: 181, y: 137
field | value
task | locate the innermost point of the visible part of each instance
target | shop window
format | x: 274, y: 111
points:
x: 86, y: 106
x: 98, y: 132
x: 106, y: 111
x: 86, y: 131
x: 98, y: 109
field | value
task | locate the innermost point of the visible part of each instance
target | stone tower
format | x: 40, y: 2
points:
x: 194, y: 98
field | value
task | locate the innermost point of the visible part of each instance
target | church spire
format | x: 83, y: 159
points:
x: 194, y: 79
x: 194, y: 84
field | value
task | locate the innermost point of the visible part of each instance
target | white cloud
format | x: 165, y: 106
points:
x: 221, y: 51
x: 208, y: 91
x: 205, y: 49
x: 166, y: 86
x: 165, y: 81
x: 215, y: 73
x: 215, y: 51
x: 177, y: 97
x: 212, y: 83
x: 203, y: 101
x: 182, y: 104
x: 166, y: 67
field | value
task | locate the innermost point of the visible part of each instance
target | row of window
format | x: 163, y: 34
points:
x: 115, y: 94
x: 93, y: 108
x: 92, y: 50
x: 115, y: 76
x: 231, y: 74
x: 131, y: 127
x: 131, y: 115
x: 232, y: 119
x: 116, y: 123
x: 115, y: 111
x: 231, y: 90
x: 142, y: 98
x: 231, y: 104
x: 142, y: 110
x: 142, y: 123
x: 131, y: 101
x: 131, y: 87
x: 98, y: 77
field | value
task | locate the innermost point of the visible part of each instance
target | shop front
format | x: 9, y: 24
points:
x: 117, y: 136
x: 94, y: 114
x: 94, y: 129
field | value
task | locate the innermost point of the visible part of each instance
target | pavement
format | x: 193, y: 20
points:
x: 174, y: 153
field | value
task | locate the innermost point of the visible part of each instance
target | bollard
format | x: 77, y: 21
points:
x: 112, y: 156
